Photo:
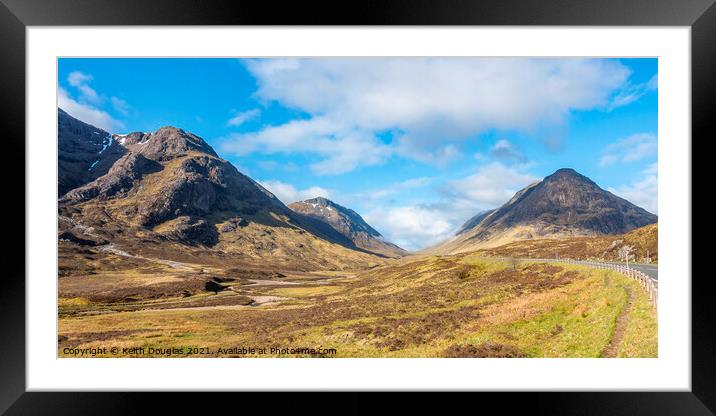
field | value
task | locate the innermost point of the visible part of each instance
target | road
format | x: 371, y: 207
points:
x: 651, y: 270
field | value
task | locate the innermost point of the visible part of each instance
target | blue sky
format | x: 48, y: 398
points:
x: 414, y: 145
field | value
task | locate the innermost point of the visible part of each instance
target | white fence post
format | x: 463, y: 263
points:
x: 644, y: 280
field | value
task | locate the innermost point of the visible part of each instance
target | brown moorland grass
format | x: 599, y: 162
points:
x: 456, y: 306
x: 644, y: 242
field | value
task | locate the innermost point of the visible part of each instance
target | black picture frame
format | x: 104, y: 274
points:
x: 16, y: 15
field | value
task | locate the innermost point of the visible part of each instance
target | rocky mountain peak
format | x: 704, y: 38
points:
x: 164, y: 144
x: 320, y: 201
x: 566, y: 172
x: 568, y: 175
x: 565, y: 203
x: 347, y: 222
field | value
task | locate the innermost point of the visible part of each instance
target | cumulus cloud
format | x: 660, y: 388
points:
x: 343, y: 148
x: 430, y: 105
x: 243, y: 117
x: 87, y: 113
x: 416, y: 226
x: 287, y: 193
x: 491, y: 186
x: 644, y: 191
x: 631, y: 149
x: 411, y: 227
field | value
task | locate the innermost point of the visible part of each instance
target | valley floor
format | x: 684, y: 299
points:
x: 451, y: 306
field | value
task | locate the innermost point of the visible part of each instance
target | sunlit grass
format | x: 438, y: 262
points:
x: 415, y: 309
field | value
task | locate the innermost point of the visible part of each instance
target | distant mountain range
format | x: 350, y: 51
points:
x: 170, y: 187
x: 349, y: 224
x: 564, y: 204
x: 169, y: 192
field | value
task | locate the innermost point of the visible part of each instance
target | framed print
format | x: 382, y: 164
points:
x: 418, y: 197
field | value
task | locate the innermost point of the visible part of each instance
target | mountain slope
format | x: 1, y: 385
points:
x: 563, y: 204
x: 171, y: 196
x: 349, y: 224
x: 644, y: 242
x: 472, y: 222
x: 85, y: 152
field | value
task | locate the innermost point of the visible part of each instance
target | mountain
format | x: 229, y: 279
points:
x: 563, y: 204
x: 349, y: 224
x: 85, y: 152
x: 170, y: 196
x: 472, y: 222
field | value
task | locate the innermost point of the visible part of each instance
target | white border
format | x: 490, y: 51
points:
x: 671, y: 371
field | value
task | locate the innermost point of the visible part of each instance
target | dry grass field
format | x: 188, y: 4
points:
x: 451, y: 306
x: 643, y: 240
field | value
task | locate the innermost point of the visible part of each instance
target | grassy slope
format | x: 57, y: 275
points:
x: 431, y: 307
x: 644, y: 240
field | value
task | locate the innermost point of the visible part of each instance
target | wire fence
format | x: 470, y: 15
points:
x: 650, y: 284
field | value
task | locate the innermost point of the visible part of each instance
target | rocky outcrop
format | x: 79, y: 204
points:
x: 119, y: 180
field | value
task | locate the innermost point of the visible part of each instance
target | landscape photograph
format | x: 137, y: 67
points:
x: 357, y: 207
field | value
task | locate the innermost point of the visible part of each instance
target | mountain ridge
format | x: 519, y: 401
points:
x: 563, y: 204
x: 85, y: 152
x: 348, y: 223
x: 170, y: 187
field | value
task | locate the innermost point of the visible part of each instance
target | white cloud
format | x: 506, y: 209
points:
x: 81, y: 81
x: 420, y: 225
x: 77, y: 78
x: 643, y: 192
x: 491, y: 186
x: 437, y: 155
x: 87, y: 113
x: 343, y: 149
x: 88, y: 102
x: 411, y: 227
x: 458, y: 95
x: 243, y: 117
x: 120, y: 105
x: 632, y: 93
x: 287, y: 193
x: 631, y: 149
x: 431, y: 104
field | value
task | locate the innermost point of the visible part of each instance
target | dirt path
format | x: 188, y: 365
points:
x: 258, y: 301
x: 263, y: 282
x: 622, y: 320
x: 111, y: 248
